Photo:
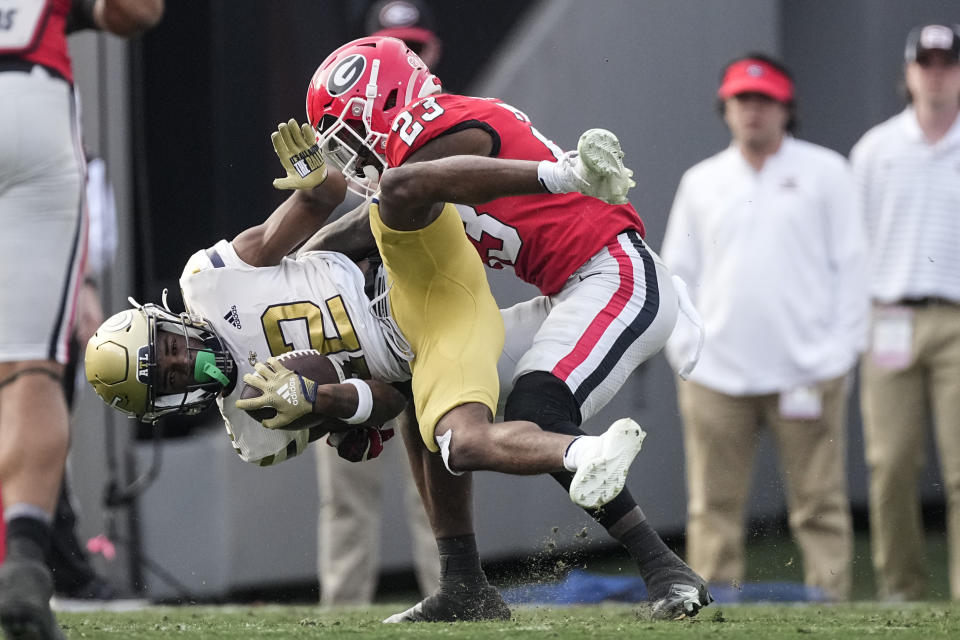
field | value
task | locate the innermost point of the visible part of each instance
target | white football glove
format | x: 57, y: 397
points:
x: 296, y: 146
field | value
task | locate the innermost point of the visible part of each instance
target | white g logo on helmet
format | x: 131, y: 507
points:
x: 346, y: 74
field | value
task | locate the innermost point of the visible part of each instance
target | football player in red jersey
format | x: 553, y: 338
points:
x: 608, y: 301
x: 41, y: 199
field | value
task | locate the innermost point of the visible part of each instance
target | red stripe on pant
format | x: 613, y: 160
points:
x: 602, y: 321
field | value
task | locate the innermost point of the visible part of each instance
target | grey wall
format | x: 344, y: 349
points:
x: 847, y: 59
x: 648, y: 70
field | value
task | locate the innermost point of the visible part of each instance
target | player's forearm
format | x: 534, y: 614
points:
x: 343, y: 402
x: 461, y: 179
x: 127, y: 17
x: 290, y: 224
x: 350, y: 235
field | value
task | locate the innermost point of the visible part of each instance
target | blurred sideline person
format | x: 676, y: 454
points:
x: 41, y: 201
x: 410, y: 21
x: 148, y: 362
x: 908, y: 170
x: 350, y: 515
x: 768, y: 235
x: 70, y: 566
x: 609, y: 303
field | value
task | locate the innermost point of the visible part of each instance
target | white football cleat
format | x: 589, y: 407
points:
x: 601, y: 160
x: 601, y: 477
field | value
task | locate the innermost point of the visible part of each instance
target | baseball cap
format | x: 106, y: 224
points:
x: 933, y: 37
x: 408, y: 20
x: 752, y: 75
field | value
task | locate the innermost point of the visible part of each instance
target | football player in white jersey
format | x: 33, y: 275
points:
x: 246, y: 301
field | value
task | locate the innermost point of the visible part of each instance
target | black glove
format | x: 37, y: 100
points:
x: 362, y: 443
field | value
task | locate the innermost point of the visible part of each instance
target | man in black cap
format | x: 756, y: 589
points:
x: 908, y: 169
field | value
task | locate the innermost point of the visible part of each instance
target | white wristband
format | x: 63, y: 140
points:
x: 548, y: 172
x: 365, y: 403
x: 560, y: 176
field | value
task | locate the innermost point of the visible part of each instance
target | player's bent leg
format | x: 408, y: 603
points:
x: 543, y: 398
x: 447, y: 499
x: 464, y: 592
x: 601, y: 476
x: 471, y: 441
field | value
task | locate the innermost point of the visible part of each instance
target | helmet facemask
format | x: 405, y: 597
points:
x: 122, y: 365
x: 213, y: 365
x: 353, y: 147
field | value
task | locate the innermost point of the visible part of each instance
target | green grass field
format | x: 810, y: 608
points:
x: 772, y: 557
x: 923, y: 620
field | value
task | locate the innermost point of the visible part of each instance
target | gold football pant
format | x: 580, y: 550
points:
x: 441, y: 301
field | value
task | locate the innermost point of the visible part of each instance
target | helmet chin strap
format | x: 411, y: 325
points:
x: 371, y: 94
x: 205, y: 369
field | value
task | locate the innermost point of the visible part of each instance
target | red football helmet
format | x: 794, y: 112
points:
x: 353, y: 98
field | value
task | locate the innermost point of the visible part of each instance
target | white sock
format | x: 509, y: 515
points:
x: 26, y: 510
x: 560, y: 176
x: 578, y: 450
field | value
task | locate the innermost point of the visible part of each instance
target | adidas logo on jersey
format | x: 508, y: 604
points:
x: 289, y: 392
x: 233, y: 317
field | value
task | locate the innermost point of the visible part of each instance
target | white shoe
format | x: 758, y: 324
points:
x: 598, y: 480
x: 601, y: 160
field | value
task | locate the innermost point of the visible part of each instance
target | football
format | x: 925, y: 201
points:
x: 309, y: 363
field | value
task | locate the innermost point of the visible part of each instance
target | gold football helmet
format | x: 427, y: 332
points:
x: 121, y: 362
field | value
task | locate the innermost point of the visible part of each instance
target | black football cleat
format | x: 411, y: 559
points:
x: 686, y: 594
x: 25, y: 590
x: 443, y: 606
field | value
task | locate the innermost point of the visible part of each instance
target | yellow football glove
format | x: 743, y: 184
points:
x: 300, y: 156
x: 287, y: 391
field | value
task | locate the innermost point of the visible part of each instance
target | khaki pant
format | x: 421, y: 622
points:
x: 720, y: 436
x: 897, y: 403
x: 350, y: 525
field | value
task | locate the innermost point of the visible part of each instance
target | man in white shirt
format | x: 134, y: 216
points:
x: 767, y: 234
x: 908, y: 170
